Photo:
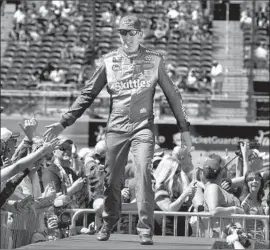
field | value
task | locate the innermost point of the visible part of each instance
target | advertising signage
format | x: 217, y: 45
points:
x: 204, y: 137
x: 214, y: 137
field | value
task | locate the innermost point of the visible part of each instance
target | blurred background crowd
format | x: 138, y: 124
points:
x: 49, y: 49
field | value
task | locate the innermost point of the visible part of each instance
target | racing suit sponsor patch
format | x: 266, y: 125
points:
x: 148, y: 66
x: 143, y: 110
x: 149, y: 58
x: 148, y: 72
x: 117, y: 58
x: 116, y: 67
x: 130, y: 84
x: 132, y: 55
x: 152, y: 52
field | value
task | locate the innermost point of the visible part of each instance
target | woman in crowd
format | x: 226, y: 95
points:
x: 252, y: 196
x: 217, y: 200
x: 172, y: 195
x: 252, y: 202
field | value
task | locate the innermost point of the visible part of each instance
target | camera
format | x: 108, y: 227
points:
x: 244, y: 238
x: 64, y: 217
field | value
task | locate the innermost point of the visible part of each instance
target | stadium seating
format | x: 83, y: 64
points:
x: 261, y: 35
x: 21, y: 60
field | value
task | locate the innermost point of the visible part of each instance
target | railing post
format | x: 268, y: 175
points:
x: 186, y: 226
x: 85, y: 220
x: 163, y: 225
x: 130, y: 223
x: 175, y: 220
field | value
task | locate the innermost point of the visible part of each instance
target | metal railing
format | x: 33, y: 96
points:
x: 18, y: 229
x: 17, y: 234
x: 207, y: 217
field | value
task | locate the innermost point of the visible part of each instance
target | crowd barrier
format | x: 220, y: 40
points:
x: 19, y: 229
x: 204, y: 222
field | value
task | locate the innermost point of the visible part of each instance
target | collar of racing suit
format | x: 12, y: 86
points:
x: 131, y: 55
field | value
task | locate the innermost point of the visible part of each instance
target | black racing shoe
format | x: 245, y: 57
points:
x: 146, y: 239
x: 104, y: 233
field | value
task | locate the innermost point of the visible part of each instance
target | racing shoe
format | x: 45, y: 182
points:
x: 146, y: 239
x: 104, y: 233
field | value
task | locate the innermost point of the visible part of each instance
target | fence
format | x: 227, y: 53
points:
x: 207, y: 217
x: 18, y: 229
x: 21, y: 231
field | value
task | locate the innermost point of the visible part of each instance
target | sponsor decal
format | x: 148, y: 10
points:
x: 153, y: 52
x: 148, y: 66
x: 143, y: 110
x: 149, y: 58
x: 138, y: 61
x: 130, y: 84
x: 127, y: 67
x: 148, y: 72
x: 132, y: 55
x: 129, y: 22
x: 116, y: 67
x: 118, y: 59
x: 141, y: 62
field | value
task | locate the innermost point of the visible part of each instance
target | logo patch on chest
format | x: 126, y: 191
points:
x: 116, y: 67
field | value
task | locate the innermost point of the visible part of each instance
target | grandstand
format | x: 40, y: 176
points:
x: 94, y: 25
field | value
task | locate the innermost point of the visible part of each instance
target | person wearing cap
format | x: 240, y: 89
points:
x: 131, y: 74
x: 8, y: 144
x: 60, y: 174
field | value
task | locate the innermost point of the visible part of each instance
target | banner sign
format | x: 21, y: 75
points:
x: 204, y: 137
x: 215, y: 137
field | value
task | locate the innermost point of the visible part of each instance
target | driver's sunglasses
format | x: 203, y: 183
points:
x: 130, y: 32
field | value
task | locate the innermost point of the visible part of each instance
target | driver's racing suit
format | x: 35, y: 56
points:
x: 131, y: 81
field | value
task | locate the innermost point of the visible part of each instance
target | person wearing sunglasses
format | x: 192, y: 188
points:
x: 251, y: 198
x: 131, y: 74
x: 59, y: 173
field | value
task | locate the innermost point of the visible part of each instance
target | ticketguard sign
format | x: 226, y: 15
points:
x: 204, y: 137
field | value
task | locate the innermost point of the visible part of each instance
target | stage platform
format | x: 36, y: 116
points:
x: 124, y: 241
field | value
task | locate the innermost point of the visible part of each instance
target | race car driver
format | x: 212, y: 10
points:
x: 131, y: 73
